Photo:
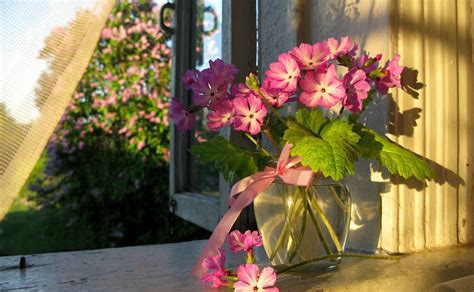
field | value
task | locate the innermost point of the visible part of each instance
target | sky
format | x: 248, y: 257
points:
x: 24, y: 24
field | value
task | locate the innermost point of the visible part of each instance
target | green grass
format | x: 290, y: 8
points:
x: 27, y: 229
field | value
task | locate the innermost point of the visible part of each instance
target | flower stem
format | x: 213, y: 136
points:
x: 321, y: 236
x: 252, y: 139
x: 338, y: 255
x: 303, y: 227
x: 231, y: 279
x: 326, y: 222
x: 285, y: 230
x: 336, y: 198
x: 341, y: 111
x: 270, y: 137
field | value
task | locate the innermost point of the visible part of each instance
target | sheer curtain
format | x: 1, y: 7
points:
x: 45, y: 47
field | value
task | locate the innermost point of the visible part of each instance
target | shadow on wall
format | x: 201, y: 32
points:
x: 364, y: 20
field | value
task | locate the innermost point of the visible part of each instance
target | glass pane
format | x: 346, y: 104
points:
x: 205, y: 178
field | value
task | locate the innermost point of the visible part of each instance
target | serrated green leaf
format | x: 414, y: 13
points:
x: 339, y: 130
x: 313, y: 120
x: 395, y: 158
x: 229, y: 159
x: 328, y: 146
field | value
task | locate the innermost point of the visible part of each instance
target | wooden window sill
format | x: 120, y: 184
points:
x: 166, y: 268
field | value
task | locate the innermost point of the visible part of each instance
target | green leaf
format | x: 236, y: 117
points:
x: 229, y: 159
x: 328, y: 146
x: 313, y: 120
x: 395, y: 158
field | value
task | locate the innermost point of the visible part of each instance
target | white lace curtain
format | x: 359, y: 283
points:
x: 45, y: 47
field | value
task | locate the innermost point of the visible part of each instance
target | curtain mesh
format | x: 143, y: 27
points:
x: 27, y: 121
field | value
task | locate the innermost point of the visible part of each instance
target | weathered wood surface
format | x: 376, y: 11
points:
x: 166, y: 268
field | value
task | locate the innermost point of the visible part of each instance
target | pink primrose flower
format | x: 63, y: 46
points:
x: 356, y: 90
x: 345, y: 47
x: 222, y: 114
x: 322, y: 88
x: 240, y: 90
x: 225, y: 72
x: 366, y: 63
x: 216, y: 263
x: 190, y: 77
x: 243, y: 241
x: 391, y: 78
x: 309, y: 57
x: 183, y: 119
x: 216, y: 278
x: 208, y: 88
x: 249, y: 114
x: 275, y: 97
x: 284, y: 74
x: 251, y: 279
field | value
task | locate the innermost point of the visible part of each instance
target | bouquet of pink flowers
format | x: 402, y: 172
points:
x: 308, y: 74
x: 333, y: 85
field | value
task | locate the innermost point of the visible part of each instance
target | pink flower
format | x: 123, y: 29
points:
x: 183, y: 118
x: 391, y: 78
x: 322, y: 88
x: 251, y: 279
x: 107, y: 33
x: 216, y: 278
x: 346, y: 47
x: 243, y: 242
x: 283, y: 74
x: 225, y: 72
x: 190, y: 77
x: 222, y: 114
x: 208, y: 88
x: 356, y: 90
x: 275, y: 97
x: 215, y: 263
x: 133, y: 70
x: 309, y: 57
x: 140, y: 145
x: 249, y: 114
x: 240, y: 90
x: 366, y: 63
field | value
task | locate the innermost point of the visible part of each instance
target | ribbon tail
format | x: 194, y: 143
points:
x: 220, y: 232
x: 222, y: 229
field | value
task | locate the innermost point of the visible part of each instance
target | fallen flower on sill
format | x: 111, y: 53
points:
x: 248, y: 276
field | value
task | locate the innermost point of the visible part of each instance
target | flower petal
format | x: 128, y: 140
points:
x: 267, y: 278
x: 248, y: 273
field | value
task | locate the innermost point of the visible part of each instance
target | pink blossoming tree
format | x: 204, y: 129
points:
x: 109, y: 155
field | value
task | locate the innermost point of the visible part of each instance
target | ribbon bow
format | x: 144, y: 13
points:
x: 244, y: 192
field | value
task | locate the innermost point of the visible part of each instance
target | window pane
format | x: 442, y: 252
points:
x: 205, y: 178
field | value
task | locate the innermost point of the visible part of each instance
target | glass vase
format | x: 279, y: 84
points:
x: 304, y: 224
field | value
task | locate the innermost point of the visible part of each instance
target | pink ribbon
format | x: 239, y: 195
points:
x: 249, y: 188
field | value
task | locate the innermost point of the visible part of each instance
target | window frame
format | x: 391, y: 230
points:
x: 239, y: 48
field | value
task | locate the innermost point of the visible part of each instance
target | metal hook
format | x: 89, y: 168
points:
x: 163, y: 26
